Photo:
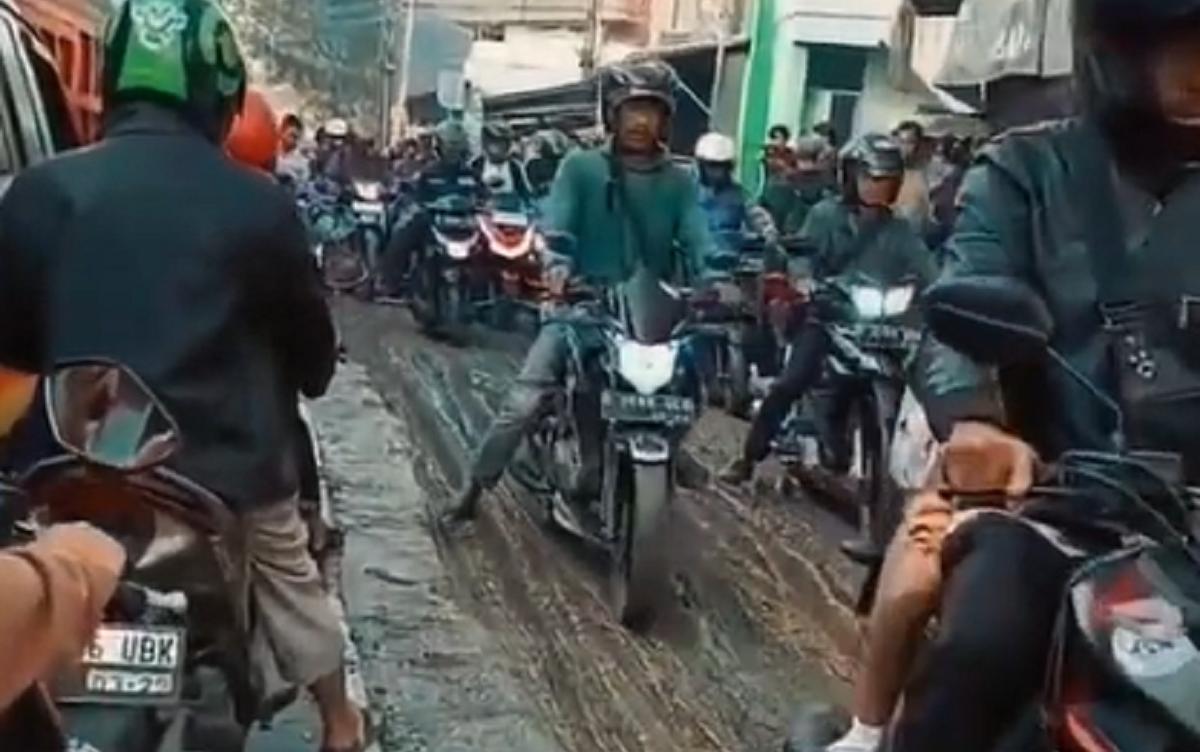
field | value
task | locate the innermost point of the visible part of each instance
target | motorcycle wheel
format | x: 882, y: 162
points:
x: 737, y: 382
x: 880, y: 502
x: 640, y: 572
x: 370, y: 241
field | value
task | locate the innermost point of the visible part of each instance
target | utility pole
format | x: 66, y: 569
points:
x: 387, y: 57
x: 410, y: 25
x: 593, y: 36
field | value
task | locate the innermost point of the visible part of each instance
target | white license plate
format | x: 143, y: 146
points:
x: 135, y: 647
x: 367, y: 207
x: 127, y: 664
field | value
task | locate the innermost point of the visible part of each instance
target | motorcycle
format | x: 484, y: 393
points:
x: 601, y: 461
x: 370, y: 204
x: 1122, y: 647
x: 847, y: 423
x: 445, y: 275
x: 514, y: 267
x: 333, y: 229
x: 170, y: 668
x: 736, y: 331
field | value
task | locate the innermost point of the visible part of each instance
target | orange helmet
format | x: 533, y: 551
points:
x: 254, y: 138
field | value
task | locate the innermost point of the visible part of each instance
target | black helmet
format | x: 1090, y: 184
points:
x: 497, y: 131
x: 645, y: 79
x: 177, y: 53
x: 875, y: 155
x: 1113, y: 39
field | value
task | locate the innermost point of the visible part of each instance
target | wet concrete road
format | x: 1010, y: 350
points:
x: 499, y: 640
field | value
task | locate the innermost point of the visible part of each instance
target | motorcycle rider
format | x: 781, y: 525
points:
x: 1098, y: 214
x: 551, y: 147
x: 498, y: 168
x: 449, y: 174
x: 727, y: 205
x: 254, y: 138
x: 227, y: 328
x: 292, y: 162
x: 630, y: 182
x: 854, y: 232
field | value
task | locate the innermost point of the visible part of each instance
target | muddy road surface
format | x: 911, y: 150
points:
x: 498, y: 638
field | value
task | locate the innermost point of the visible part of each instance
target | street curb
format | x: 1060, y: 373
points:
x: 355, y: 684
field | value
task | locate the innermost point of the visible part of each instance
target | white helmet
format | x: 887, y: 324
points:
x: 716, y: 148
x: 337, y: 128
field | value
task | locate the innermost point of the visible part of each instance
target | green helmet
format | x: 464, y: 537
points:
x: 178, y: 53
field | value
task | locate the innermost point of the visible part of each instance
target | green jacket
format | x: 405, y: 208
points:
x: 586, y: 204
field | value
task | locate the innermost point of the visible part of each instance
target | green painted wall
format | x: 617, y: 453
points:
x: 756, y: 91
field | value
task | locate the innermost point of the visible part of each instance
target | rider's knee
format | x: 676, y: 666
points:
x: 910, y: 584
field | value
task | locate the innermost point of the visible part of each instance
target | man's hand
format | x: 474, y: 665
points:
x: 556, y: 278
x: 979, y: 457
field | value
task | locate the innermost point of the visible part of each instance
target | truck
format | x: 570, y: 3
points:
x: 70, y: 31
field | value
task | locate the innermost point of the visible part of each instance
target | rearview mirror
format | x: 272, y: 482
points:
x: 105, y: 415
x: 991, y: 320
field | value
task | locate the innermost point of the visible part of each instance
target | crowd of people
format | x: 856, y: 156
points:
x: 154, y: 249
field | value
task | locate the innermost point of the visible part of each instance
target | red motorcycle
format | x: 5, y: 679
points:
x: 514, y: 266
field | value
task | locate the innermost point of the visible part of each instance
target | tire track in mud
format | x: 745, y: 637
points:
x: 744, y: 644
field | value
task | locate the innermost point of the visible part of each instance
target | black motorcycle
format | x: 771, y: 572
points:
x: 733, y: 328
x: 846, y: 424
x: 1123, y: 658
x: 601, y: 462
x: 171, y: 667
x: 444, y: 279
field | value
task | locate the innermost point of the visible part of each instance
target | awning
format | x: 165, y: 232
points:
x: 1000, y: 38
x: 574, y: 100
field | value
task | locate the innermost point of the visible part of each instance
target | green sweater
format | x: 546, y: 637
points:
x: 585, y: 204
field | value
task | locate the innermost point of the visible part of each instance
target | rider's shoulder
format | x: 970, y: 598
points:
x: 1028, y: 145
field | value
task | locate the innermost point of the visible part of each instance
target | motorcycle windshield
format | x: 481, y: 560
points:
x: 452, y: 204
x: 648, y: 308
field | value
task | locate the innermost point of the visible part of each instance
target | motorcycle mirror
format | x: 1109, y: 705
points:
x: 106, y: 416
x: 991, y: 320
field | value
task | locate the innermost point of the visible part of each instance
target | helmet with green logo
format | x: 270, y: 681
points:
x: 181, y: 54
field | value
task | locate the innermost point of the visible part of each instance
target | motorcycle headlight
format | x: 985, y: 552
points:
x: 368, y: 191
x: 647, y: 368
x: 872, y: 303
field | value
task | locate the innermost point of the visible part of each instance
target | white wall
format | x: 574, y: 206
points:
x: 881, y: 106
x: 530, y: 59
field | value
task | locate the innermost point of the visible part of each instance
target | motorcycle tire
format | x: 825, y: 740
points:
x: 880, y: 501
x: 640, y: 571
x: 737, y: 399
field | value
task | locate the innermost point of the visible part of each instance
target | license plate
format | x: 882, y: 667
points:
x: 127, y: 665
x: 622, y: 407
x: 886, y: 336
x: 367, y: 207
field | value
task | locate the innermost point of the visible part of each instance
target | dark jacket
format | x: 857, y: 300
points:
x: 1024, y: 215
x: 443, y: 178
x: 889, y: 253
x: 155, y: 250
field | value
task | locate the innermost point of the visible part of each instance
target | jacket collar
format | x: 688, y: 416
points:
x: 147, y: 119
